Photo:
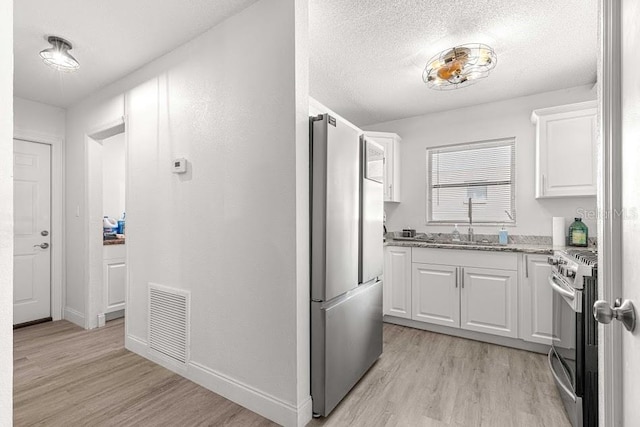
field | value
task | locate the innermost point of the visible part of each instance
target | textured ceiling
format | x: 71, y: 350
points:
x: 367, y: 56
x: 110, y: 39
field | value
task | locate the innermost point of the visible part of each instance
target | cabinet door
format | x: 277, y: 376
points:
x: 436, y: 294
x: 114, y: 276
x: 387, y: 143
x: 391, y: 144
x: 489, y: 300
x: 536, y: 301
x: 397, y: 282
x: 567, y: 153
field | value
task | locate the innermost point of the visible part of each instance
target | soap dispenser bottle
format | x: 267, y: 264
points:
x: 455, y: 234
x: 503, y: 236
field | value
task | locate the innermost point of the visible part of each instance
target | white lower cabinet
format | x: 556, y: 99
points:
x: 471, y: 290
x: 497, y: 293
x: 114, y: 276
x: 397, y: 282
x: 536, y: 301
x: 435, y: 294
x: 489, y: 301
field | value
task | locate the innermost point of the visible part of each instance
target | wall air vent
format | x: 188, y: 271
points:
x: 169, y: 322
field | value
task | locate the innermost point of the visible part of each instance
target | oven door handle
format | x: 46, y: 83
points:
x: 566, y: 389
x: 565, y: 293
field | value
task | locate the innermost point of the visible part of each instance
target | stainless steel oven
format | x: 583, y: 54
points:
x: 573, y: 357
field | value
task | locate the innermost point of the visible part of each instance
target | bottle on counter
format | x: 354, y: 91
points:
x: 121, y: 224
x: 578, y: 233
x: 503, y: 236
x: 455, y: 234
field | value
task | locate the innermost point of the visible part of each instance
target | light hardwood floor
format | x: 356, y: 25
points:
x: 429, y: 379
x: 66, y: 376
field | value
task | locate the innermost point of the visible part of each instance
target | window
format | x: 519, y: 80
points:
x: 483, y: 172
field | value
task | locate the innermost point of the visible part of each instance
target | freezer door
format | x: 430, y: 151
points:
x: 346, y: 339
x: 335, y: 208
x: 371, y: 213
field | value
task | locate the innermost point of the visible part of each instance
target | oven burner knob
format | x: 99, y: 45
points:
x: 552, y: 260
x: 570, y: 273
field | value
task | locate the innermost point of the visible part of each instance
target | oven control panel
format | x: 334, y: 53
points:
x: 573, y: 265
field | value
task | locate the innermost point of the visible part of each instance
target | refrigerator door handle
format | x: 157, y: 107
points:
x: 457, y: 268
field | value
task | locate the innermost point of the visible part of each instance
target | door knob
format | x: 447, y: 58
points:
x: 44, y: 233
x: 42, y: 245
x: 624, y: 311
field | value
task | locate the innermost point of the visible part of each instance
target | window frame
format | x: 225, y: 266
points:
x: 428, y: 191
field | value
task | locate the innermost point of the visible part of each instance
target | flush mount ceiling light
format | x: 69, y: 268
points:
x: 58, y: 56
x: 459, y: 67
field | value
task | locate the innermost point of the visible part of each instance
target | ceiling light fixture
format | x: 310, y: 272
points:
x: 459, y: 66
x: 58, y: 55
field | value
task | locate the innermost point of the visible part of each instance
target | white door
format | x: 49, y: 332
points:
x: 32, y: 231
x: 630, y: 204
x: 397, y: 282
x: 436, y: 294
x: 489, y: 301
x: 619, y: 206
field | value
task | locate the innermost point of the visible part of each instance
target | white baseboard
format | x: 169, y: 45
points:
x: 75, y: 317
x: 244, y: 395
x: 305, y: 412
x: 136, y: 345
x: 257, y: 401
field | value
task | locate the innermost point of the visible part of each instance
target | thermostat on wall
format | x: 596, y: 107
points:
x: 179, y: 165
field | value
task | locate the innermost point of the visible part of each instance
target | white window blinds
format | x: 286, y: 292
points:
x: 481, y: 171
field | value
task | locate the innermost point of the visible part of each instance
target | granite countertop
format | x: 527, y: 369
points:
x: 119, y: 241
x: 527, y: 248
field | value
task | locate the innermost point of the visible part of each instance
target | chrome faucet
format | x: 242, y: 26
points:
x: 470, y: 234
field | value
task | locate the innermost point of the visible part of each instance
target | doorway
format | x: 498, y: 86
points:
x: 32, y: 233
x: 106, y: 185
x: 114, y: 213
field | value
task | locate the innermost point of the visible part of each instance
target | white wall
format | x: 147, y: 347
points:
x: 113, y: 176
x: 37, y: 118
x: 233, y: 230
x: 482, y: 122
x: 6, y: 212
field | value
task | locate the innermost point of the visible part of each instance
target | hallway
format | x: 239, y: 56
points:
x: 67, y: 376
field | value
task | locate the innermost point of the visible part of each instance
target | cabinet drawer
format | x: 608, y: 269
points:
x: 466, y: 258
x: 114, y: 251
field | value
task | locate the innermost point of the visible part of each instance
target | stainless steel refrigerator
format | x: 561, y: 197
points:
x: 346, y: 259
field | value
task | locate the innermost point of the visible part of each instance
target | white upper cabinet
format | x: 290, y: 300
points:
x: 566, y: 150
x: 391, y: 144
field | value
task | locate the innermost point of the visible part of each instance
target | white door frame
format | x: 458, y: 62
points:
x: 57, y: 213
x: 94, y: 257
x: 610, y: 208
